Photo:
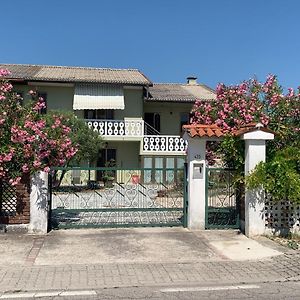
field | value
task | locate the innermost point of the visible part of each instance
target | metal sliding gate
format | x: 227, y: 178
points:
x: 223, y: 196
x: 102, y: 197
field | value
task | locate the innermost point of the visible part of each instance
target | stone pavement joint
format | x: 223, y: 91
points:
x: 94, y: 276
x: 34, y: 251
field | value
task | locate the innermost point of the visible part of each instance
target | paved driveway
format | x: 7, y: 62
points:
x: 142, y: 245
x: 134, y: 245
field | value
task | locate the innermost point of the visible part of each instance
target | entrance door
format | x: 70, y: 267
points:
x: 153, y: 119
x: 107, y: 159
x: 106, y: 156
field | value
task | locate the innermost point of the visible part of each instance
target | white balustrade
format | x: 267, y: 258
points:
x: 135, y: 128
x: 164, y: 143
x: 131, y: 128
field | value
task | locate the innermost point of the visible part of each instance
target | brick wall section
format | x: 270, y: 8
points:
x: 22, y: 215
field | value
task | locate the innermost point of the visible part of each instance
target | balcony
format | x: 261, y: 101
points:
x: 131, y: 129
x: 152, y: 143
x: 163, y: 144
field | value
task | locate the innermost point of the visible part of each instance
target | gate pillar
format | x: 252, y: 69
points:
x: 39, y: 203
x: 196, y: 182
x: 255, y: 152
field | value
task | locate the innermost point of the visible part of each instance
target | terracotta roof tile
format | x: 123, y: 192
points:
x: 204, y: 130
x: 200, y: 130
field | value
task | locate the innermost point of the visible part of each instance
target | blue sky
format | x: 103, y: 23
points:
x: 216, y: 40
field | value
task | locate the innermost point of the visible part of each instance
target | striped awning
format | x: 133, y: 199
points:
x: 93, y: 96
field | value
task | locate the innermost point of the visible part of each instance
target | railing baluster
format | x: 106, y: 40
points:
x: 163, y: 144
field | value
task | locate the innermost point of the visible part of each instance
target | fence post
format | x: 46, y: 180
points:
x: 255, y: 152
x: 39, y: 203
x: 196, y: 182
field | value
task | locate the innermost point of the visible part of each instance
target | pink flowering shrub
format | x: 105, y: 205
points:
x: 248, y: 102
x: 30, y: 141
x: 253, y: 101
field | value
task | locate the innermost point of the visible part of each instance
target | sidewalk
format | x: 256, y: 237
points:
x: 97, y: 276
x: 66, y: 260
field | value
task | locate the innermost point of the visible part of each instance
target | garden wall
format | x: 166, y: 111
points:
x: 282, y: 217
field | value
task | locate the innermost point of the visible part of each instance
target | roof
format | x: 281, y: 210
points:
x: 76, y: 74
x: 252, y: 127
x: 174, y: 92
x: 201, y: 130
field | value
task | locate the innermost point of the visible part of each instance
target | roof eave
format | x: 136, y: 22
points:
x: 76, y: 81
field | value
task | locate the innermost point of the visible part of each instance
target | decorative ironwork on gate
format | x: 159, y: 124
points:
x: 108, y: 197
x: 223, y: 196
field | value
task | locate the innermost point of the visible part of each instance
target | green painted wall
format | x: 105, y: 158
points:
x: 169, y: 115
x: 61, y: 98
x: 127, y: 153
x: 133, y: 104
x: 58, y: 98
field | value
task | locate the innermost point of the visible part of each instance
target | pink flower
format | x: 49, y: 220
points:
x: 39, y: 105
x: 6, y: 87
x: 46, y: 169
x: 32, y: 93
x: 36, y: 164
x: 4, y: 72
x: 14, y: 181
x: 25, y: 168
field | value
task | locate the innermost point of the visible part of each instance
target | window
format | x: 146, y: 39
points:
x: 99, y: 114
x: 107, y: 159
x: 152, y: 119
x: 184, y: 120
x: 20, y: 98
x: 165, y: 169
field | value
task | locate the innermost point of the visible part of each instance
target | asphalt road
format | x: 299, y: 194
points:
x: 274, y: 290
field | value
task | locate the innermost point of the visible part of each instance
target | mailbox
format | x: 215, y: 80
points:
x: 198, y: 170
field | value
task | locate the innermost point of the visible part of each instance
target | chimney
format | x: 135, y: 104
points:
x: 191, y: 80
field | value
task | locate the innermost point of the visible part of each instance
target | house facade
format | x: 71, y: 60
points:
x: 140, y: 121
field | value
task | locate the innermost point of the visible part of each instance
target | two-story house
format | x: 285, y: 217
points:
x: 140, y: 121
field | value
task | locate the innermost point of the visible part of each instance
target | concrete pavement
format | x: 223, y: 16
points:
x: 93, y: 259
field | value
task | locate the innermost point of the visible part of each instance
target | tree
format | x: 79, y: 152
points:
x: 88, y: 142
x: 252, y: 101
x: 31, y: 141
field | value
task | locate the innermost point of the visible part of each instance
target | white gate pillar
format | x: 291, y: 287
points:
x: 255, y: 152
x: 39, y: 203
x: 196, y: 182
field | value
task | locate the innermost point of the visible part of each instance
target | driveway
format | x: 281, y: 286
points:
x: 134, y: 245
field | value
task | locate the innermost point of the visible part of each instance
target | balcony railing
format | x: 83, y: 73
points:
x: 164, y: 144
x: 130, y: 128
x: 137, y: 129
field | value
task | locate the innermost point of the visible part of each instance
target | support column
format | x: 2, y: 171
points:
x: 39, y: 203
x: 255, y: 152
x: 196, y: 183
